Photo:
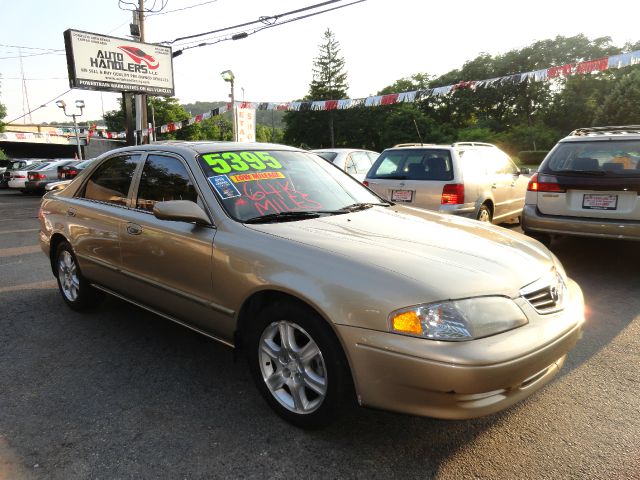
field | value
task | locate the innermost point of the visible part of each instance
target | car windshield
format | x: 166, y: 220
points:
x: 38, y: 166
x: 413, y: 164
x: 253, y: 184
x: 610, y: 157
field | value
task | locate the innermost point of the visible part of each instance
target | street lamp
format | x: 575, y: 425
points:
x: 228, y: 76
x: 79, y: 104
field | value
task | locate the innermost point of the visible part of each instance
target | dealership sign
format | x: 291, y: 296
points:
x: 99, y: 62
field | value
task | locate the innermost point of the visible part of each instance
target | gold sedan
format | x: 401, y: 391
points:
x: 331, y: 292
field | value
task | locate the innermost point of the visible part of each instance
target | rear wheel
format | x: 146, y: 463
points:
x: 298, y: 365
x: 75, y: 290
x: 484, y: 214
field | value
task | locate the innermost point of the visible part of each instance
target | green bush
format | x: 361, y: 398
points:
x: 3, y: 156
x: 532, y: 157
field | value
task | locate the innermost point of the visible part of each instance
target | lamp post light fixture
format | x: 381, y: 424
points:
x: 79, y: 104
x: 228, y: 76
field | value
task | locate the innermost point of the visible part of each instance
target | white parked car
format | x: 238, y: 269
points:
x: 353, y: 161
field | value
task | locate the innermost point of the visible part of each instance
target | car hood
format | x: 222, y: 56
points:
x: 457, y: 257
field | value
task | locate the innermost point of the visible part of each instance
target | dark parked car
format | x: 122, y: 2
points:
x: 67, y: 172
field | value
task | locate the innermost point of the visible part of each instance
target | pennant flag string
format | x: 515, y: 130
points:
x: 589, y: 66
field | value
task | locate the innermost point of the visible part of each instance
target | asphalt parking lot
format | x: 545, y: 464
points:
x: 121, y: 393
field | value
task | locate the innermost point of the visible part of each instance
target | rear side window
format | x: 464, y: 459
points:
x: 111, y: 181
x: 359, y: 162
x: 413, y: 164
x: 604, y: 158
x: 164, y: 178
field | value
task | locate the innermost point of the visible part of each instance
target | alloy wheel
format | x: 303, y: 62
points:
x: 292, y: 367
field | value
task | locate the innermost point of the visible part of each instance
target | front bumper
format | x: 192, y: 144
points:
x: 533, y: 221
x: 460, y: 380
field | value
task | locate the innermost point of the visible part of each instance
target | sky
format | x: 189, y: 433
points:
x: 381, y: 42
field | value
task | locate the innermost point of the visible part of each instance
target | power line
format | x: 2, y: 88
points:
x: 183, y: 8
x: 260, y: 20
x: 38, y: 108
x: 32, y: 48
x: 246, y: 33
x: 33, y: 55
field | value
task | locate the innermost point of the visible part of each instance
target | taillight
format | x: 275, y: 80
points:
x: 452, y: 194
x: 40, y: 176
x: 19, y: 176
x: 365, y: 183
x: 544, y: 183
x: 73, y: 172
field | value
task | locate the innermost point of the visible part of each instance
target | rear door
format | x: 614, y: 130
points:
x: 94, y: 218
x: 596, y: 179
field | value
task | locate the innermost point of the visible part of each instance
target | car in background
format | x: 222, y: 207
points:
x: 56, y: 186
x: 470, y: 179
x: 68, y: 172
x: 588, y: 185
x: 38, y: 179
x: 333, y: 294
x: 15, y: 165
x: 353, y: 161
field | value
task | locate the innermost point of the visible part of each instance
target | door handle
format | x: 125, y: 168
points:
x: 71, y: 212
x: 134, y: 229
x: 494, y: 186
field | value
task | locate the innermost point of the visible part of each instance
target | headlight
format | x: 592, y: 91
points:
x: 458, y: 320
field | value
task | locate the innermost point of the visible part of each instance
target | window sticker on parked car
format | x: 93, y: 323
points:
x: 224, y: 187
x: 227, y: 162
x: 255, y: 176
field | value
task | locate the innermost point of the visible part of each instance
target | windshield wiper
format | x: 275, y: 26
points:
x: 284, y: 217
x: 354, y: 207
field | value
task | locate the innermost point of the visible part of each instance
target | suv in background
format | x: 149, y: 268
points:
x: 472, y: 179
x: 588, y: 185
x: 355, y: 162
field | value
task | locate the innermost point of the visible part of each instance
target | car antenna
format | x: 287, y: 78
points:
x: 418, y: 132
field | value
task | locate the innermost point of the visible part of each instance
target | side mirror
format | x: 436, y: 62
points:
x: 181, y: 211
x: 525, y: 171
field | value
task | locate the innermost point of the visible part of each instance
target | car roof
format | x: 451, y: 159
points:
x: 186, y: 147
x: 341, y: 150
x: 623, y: 132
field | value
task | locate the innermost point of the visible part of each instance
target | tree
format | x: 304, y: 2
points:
x: 622, y: 105
x: 329, y: 82
x: 3, y: 113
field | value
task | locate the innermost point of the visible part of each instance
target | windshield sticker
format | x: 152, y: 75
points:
x: 227, y: 162
x: 275, y: 196
x: 249, y: 177
x: 224, y: 187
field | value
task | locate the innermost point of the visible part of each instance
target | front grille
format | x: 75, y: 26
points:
x: 547, y: 294
x: 542, y: 300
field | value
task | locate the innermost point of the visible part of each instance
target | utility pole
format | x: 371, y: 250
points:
x: 141, y: 99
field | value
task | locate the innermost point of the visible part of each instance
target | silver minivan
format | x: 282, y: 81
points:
x: 472, y: 179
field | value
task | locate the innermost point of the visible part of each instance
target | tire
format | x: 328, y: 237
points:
x: 75, y: 290
x: 484, y: 214
x: 305, y: 379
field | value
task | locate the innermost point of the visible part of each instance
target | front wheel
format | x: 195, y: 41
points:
x: 298, y: 365
x: 75, y: 290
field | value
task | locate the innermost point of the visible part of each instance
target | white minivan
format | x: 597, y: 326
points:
x: 472, y: 179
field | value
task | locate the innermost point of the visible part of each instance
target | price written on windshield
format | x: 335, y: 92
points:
x: 226, y: 162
